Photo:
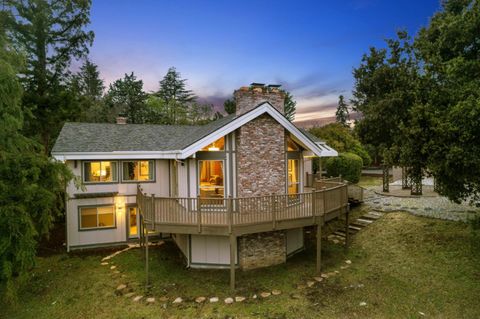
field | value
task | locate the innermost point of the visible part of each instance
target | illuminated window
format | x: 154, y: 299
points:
x: 293, y: 176
x: 99, y: 172
x: 291, y: 145
x: 211, y: 179
x: 138, y: 171
x: 218, y: 145
x: 97, y: 217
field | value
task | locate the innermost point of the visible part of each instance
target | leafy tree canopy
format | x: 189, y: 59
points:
x: 290, y: 106
x: 342, y: 139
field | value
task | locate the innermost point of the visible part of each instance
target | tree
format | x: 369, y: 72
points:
x: 449, y: 51
x: 342, y: 111
x: 289, y: 106
x: 200, y: 113
x: 175, y: 96
x: 230, y: 106
x: 126, y: 96
x: 51, y: 33
x: 88, y: 82
x: 31, y: 185
x: 342, y: 139
x: 88, y: 87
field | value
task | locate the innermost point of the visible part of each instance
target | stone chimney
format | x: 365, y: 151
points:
x: 249, y: 97
x: 121, y: 119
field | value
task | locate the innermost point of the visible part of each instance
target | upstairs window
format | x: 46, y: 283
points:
x: 138, y: 171
x: 100, y: 172
x: 218, y: 145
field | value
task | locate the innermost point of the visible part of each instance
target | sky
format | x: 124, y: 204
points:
x: 309, y: 47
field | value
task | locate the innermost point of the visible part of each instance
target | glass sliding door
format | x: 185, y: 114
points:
x: 132, y: 222
x: 211, y: 178
x: 293, y: 176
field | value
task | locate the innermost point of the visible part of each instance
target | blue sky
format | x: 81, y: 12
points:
x: 310, y: 47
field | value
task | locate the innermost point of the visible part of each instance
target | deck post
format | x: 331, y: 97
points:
x: 233, y: 242
x: 152, y: 216
x: 347, y: 224
x: 146, y: 258
x: 314, y: 210
x: 319, y: 247
x: 199, y: 216
x: 230, y: 214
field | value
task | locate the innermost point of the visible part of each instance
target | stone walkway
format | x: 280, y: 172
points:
x: 435, y: 207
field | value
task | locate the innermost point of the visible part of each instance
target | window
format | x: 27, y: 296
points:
x: 218, y: 145
x: 293, y: 176
x: 138, y: 171
x: 99, y: 172
x: 211, y: 179
x: 291, y: 145
x: 97, y: 217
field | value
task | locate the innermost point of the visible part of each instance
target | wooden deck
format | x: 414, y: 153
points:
x: 234, y: 217
x: 239, y: 216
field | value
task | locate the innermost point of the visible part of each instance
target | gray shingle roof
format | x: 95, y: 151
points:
x: 107, y: 137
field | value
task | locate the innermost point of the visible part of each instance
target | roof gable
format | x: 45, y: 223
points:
x: 114, y: 141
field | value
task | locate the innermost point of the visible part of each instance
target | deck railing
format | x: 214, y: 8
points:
x: 242, y: 211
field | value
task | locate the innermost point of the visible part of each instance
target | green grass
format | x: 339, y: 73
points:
x: 404, y: 265
x: 366, y: 181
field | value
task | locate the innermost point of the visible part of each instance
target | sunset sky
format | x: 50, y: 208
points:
x: 310, y: 47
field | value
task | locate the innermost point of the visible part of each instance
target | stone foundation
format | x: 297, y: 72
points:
x: 262, y: 250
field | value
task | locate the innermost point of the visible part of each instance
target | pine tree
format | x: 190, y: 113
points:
x: 230, y: 106
x: 51, y: 33
x: 342, y: 115
x: 126, y: 96
x: 88, y: 82
x: 31, y: 184
x: 290, y: 106
x: 175, y: 96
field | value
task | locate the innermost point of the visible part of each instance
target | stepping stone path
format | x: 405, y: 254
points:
x: 200, y: 299
x: 214, y: 299
x: 129, y: 295
x: 137, y: 298
x: 228, y: 300
x: 338, y: 237
x: 178, y: 300
x: 239, y: 299
x: 265, y: 294
x: 163, y: 299
x: 276, y: 292
x: 151, y: 300
x: 121, y: 287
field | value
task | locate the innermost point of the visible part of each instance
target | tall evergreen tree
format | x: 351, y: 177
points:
x: 31, y: 185
x: 175, y: 96
x: 342, y: 115
x: 290, y: 106
x: 51, y: 33
x: 88, y: 82
x: 126, y: 96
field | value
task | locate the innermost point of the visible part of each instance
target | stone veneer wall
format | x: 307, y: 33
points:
x: 262, y: 250
x: 261, y: 170
x: 260, y: 149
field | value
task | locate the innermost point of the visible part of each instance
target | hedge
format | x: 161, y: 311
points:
x: 348, y: 165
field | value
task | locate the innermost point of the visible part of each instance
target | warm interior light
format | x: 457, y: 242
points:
x: 100, y: 172
x: 213, y: 148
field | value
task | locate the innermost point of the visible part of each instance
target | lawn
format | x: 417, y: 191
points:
x: 402, y: 266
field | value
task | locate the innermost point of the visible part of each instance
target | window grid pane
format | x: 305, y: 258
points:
x: 97, y: 217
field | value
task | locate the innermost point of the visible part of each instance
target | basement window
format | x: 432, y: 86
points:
x: 98, y: 217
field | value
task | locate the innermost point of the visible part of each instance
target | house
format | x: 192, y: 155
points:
x: 230, y: 193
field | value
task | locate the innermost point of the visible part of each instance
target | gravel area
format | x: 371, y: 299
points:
x: 435, y: 207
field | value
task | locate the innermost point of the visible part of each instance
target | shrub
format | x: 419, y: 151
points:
x: 348, y: 165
